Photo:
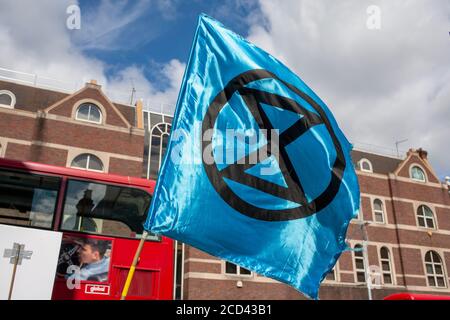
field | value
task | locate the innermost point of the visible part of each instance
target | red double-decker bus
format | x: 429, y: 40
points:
x: 101, y: 216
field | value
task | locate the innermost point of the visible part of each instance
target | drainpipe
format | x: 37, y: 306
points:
x: 391, y: 177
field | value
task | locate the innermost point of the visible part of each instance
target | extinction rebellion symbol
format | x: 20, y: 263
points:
x: 294, y: 192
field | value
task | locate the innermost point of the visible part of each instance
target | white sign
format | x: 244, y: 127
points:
x: 28, y: 259
x: 97, y: 289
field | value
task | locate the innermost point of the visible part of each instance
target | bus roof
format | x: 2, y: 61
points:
x: 416, y: 296
x: 76, y: 173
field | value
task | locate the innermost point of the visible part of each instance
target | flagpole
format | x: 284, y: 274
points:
x: 133, y: 266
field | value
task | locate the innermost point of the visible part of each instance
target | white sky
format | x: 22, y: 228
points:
x: 382, y: 85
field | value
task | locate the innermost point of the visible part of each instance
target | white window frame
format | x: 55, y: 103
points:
x: 383, y: 212
x: 335, y: 270
x: 164, y: 129
x: 90, y: 106
x: 425, y: 218
x: 360, y: 165
x: 238, y: 271
x: 434, y: 275
x: 421, y: 168
x: 87, y: 163
x: 181, y: 271
x: 391, y: 271
x: 13, y: 99
x: 363, y: 270
x: 360, y: 216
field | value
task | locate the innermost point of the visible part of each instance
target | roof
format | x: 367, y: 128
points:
x: 33, y: 99
x: 128, y: 112
x: 380, y: 164
x: 30, y: 166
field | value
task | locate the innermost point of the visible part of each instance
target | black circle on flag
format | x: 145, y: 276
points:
x: 293, y: 191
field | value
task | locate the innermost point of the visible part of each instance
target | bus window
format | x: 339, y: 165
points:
x: 105, y: 209
x: 28, y: 199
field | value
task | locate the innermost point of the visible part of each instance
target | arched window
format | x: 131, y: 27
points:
x: 365, y: 165
x: 87, y: 161
x: 425, y: 217
x: 89, y: 112
x: 378, y: 210
x: 435, y: 270
x: 417, y: 174
x: 7, y: 99
x: 386, y: 266
x: 359, y: 263
x: 159, y: 138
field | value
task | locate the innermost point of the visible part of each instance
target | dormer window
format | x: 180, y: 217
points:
x: 7, y: 99
x: 365, y: 165
x: 89, y: 112
x: 417, y: 174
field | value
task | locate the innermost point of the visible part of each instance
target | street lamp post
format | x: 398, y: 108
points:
x: 363, y: 224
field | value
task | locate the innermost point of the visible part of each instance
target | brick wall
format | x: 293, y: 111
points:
x: 404, y: 172
x: 16, y: 151
x: 407, y: 265
x: 65, y: 108
x: 28, y: 128
x: 125, y: 167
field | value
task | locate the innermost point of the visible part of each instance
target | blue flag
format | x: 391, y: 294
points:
x: 257, y: 171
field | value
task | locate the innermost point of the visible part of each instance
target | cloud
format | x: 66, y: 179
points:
x: 382, y: 85
x: 154, y: 98
x: 105, y: 26
x: 122, y: 25
x: 34, y: 39
x: 239, y: 13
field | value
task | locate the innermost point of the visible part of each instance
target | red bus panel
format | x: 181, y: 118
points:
x: 104, y: 279
x: 415, y: 296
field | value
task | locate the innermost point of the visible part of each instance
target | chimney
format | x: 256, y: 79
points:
x: 93, y: 84
x: 422, y: 153
x: 139, y: 114
x: 410, y: 151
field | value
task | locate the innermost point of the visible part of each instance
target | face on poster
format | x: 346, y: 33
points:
x: 84, y: 258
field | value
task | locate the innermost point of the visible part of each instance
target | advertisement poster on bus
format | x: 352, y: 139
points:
x: 84, y: 258
x: 28, y: 260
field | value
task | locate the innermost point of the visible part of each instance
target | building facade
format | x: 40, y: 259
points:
x: 400, y: 241
x: 83, y: 130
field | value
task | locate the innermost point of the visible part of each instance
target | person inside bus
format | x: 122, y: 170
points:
x: 94, y: 262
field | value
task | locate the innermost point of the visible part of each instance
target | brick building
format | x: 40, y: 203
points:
x: 83, y: 129
x: 405, y: 219
x: 405, y: 209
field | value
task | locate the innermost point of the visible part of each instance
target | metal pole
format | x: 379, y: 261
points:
x: 133, y: 266
x: 396, y: 146
x: 16, y: 261
x: 175, y: 271
x: 366, y: 261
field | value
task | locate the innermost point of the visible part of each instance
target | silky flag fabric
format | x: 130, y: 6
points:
x: 257, y: 171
